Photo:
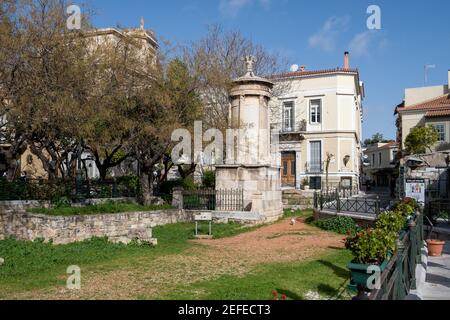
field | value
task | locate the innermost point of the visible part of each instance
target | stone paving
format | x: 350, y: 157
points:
x: 437, y: 283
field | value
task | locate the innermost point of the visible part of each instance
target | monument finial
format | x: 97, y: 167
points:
x: 142, y: 23
x: 249, y: 65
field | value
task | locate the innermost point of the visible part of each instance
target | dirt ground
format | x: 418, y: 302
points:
x: 205, y: 260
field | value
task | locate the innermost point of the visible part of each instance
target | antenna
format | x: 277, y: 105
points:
x: 426, y: 67
x: 294, y: 68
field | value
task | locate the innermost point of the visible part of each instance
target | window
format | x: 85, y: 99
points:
x: 315, y: 156
x: 373, y: 159
x: 315, y: 183
x: 315, y: 111
x: 379, y: 158
x: 394, y: 154
x: 288, y: 116
x: 346, y: 183
x: 440, y: 128
x: 285, y: 168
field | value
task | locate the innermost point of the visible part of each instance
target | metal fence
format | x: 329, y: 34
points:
x: 437, y: 188
x: 28, y: 189
x: 336, y: 202
x: 399, y: 276
x: 221, y: 200
x: 438, y: 209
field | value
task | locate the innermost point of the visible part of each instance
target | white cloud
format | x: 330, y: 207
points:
x: 231, y: 8
x: 366, y: 42
x: 326, y: 38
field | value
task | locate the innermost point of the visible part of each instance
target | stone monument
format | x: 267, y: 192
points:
x: 248, y: 164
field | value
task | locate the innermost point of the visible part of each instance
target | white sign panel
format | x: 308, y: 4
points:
x: 415, y: 188
x: 203, y: 217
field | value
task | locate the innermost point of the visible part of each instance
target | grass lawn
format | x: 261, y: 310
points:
x: 99, y: 209
x: 176, y: 268
x: 325, y: 277
x: 29, y: 265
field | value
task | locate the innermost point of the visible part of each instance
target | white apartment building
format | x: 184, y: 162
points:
x: 319, y: 117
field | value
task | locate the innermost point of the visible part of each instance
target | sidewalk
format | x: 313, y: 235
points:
x: 437, y: 283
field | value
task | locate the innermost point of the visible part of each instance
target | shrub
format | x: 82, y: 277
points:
x: 342, y: 225
x: 165, y: 189
x: 209, y: 179
x: 371, y: 246
x: 406, y: 207
x: 391, y: 221
x: 62, y: 202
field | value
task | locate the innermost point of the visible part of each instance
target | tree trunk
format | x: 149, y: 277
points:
x: 146, y: 181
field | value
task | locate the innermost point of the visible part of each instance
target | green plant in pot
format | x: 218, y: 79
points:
x: 392, y: 221
x: 369, y: 247
x: 306, y: 183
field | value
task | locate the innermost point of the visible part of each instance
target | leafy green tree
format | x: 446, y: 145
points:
x: 421, y: 139
x: 376, y: 138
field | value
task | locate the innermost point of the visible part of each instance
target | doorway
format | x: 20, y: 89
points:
x: 288, y: 169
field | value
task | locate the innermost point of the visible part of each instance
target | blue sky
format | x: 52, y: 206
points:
x: 316, y: 33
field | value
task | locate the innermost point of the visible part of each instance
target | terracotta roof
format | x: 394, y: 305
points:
x: 438, y: 113
x: 390, y: 144
x: 439, y: 103
x: 306, y: 73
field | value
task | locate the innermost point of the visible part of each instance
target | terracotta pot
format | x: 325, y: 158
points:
x: 435, y: 247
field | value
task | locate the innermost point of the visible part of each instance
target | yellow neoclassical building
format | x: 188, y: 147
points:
x: 318, y: 114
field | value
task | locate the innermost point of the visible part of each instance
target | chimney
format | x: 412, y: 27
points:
x: 448, y: 83
x: 346, y: 60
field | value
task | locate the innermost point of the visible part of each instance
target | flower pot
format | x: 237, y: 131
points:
x: 435, y: 247
x: 306, y: 187
x: 359, y: 272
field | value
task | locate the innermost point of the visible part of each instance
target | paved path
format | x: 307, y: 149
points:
x: 437, y: 284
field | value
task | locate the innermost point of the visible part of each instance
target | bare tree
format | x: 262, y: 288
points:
x: 216, y: 60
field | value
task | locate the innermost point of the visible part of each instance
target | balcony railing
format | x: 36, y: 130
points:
x: 314, y: 167
x: 297, y: 127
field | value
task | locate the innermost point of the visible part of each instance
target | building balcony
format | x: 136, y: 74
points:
x: 314, y: 167
x: 290, y: 133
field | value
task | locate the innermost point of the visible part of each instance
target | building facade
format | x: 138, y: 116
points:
x: 379, y: 163
x: 318, y: 115
x: 425, y: 106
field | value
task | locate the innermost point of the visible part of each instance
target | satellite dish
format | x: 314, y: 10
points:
x: 294, y: 68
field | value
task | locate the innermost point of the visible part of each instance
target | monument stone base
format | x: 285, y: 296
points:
x: 261, y: 186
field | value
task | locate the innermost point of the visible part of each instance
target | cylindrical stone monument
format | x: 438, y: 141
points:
x: 248, y: 162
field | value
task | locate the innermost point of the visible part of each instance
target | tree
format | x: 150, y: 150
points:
x: 328, y: 160
x: 169, y: 100
x: 376, y: 138
x: 216, y: 60
x: 421, y: 139
x: 45, y: 83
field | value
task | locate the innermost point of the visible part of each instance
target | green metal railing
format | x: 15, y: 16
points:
x: 339, y: 202
x: 399, y: 276
x: 222, y: 200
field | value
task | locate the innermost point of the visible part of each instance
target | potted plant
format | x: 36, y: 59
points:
x: 369, y: 247
x: 436, y: 246
x: 306, y: 183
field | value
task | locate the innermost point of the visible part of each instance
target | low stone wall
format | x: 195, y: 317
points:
x: 360, y: 220
x: 122, y: 227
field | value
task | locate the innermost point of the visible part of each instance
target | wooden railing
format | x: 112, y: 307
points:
x: 399, y: 276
